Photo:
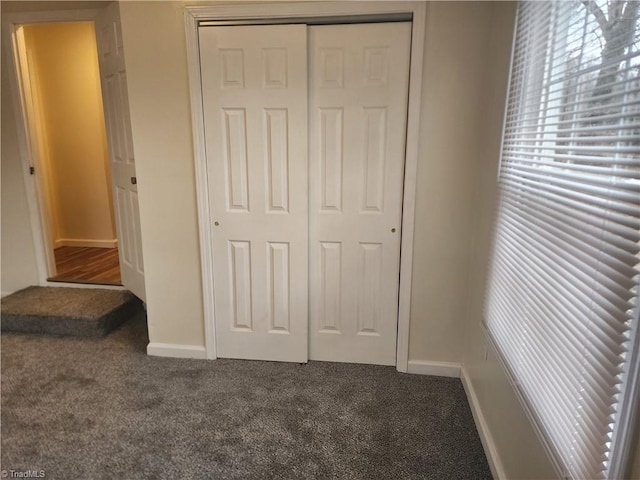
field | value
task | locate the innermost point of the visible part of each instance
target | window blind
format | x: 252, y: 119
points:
x: 561, y: 305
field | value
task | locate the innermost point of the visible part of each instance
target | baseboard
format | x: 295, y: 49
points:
x: 439, y: 369
x: 175, y: 351
x: 490, y: 449
x: 81, y: 285
x: 72, y: 285
x: 80, y: 242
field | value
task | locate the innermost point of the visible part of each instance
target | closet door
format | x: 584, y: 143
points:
x: 254, y: 83
x: 358, y: 108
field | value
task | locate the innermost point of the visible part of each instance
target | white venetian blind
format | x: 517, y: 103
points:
x: 561, y: 305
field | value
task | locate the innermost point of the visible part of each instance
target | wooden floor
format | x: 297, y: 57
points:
x: 87, y: 265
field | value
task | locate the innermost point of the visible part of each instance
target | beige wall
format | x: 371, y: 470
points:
x: 161, y: 124
x: 12, y: 6
x: 466, y: 60
x: 63, y: 65
x: 17, y: 257
x: 159, y: 98
x: 456, y: 51
x: 520, y: 451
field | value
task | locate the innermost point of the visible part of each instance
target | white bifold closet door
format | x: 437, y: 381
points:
x: 293, y: 221
x: 254, y: 86
x: 358, y: 109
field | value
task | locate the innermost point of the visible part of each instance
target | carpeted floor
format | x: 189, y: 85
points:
x: 99, y: 408
x: 89, y: 312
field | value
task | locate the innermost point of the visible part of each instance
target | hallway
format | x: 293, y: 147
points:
x: 87, y: 265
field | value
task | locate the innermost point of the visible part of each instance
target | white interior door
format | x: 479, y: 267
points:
x: 123, y: 168
x: 254, y: 84
x: 358, y: 108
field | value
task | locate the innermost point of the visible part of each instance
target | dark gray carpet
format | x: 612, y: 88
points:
x: 88, y: 312
x: 91, y: 408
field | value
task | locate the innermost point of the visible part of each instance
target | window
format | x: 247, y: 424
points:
x: 562, y: 302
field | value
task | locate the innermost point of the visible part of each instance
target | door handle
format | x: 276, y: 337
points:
x: 134, y: 181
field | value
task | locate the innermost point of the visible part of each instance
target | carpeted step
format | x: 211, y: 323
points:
x: 82, y: 312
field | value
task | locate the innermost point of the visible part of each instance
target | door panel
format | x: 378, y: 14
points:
x: 254, y: 83
x: 121, y: 158
x: 358, y: 106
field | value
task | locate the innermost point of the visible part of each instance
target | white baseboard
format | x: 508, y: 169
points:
x: 439, y: 369
x: 175, y: 351
x: 81, y: 285
x: 490, y: 449
x: 81, y: 242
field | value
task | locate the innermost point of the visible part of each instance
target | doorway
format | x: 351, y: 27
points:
x: 111, y: 84
x: 306, y: 235
x: 62, y: 74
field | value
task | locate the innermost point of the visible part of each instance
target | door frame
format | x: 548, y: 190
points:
x: 328, y: 12
x: 24, y: 114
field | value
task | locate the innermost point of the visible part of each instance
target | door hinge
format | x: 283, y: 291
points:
x: 32, y: 170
